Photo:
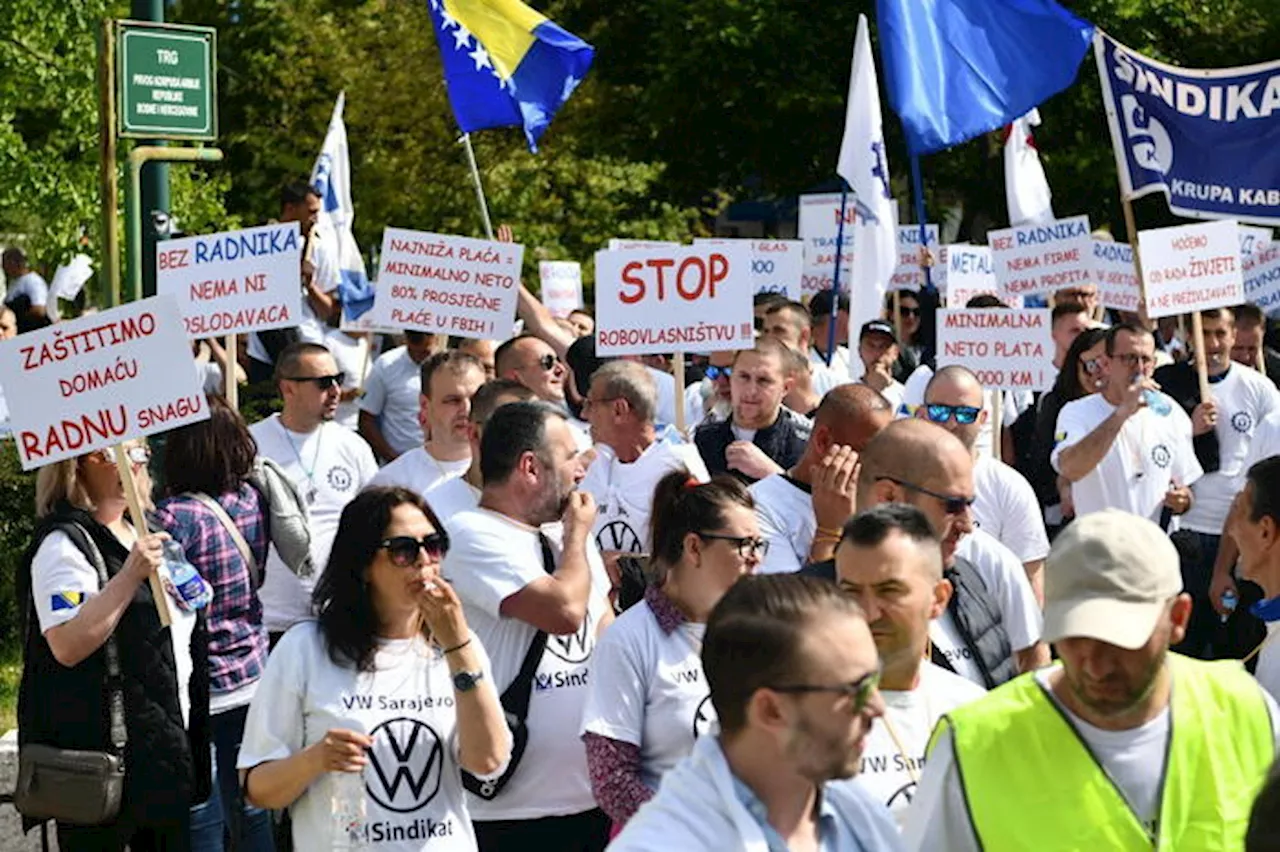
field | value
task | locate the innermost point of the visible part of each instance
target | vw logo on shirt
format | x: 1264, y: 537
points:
x: 1161, y: 456
x: 1242, y: 422
x: 407, y: 758
x: 618, y: 535
x: 576, y: 647
x: 704, y: 718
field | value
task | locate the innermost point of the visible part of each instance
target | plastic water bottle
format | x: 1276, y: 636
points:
x: 193, y: 592
x: 1157, y: 402
x: 347, y: 811
x: 1229, y: 602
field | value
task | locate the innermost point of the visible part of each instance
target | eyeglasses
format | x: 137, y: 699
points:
x: 860, y: 690
x: 965, y: 415
x: 403, y: 549
x: 909, y: 312
x: 713, y: 372
x: 547, y: 361
x: 953, y: 505
x: 748, y: 546
x: 136, y: 454
x: 1092, y: 366
x: 322, y: 382
x: 588, y: 402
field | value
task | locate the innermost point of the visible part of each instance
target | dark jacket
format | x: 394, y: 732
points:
x: 1180, y: 382
x: 167, y: 769
x: 783, y: 441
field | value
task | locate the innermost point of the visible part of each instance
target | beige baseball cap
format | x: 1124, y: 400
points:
x: 1109, y: 576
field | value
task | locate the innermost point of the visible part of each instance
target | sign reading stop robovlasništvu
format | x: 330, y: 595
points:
x: 166, y: 85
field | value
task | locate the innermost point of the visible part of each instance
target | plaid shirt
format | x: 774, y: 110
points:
x: 237, y: 638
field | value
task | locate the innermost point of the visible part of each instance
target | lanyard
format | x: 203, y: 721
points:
x: 310, y: 496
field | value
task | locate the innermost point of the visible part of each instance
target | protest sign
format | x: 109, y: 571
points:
x: 233, y: 282
x: 623, y: 244
x: 684, y: 299
x: 1252, y: 239
x: 561, y: 289
x: 1031, y: 260
x: 969, y: 274
x: 1191, y: 268
x: 1115, y: 276
x: 909, y: 275
x: 1006, y: 349
x: 442, y: 284
x: 776, y: 265
x: 819, y: 226
x: 366, y: 324
x: 96, y: 381
x: 1262, y: 278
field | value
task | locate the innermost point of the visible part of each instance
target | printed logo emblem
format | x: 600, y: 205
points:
x: 576, y: 647
x: 1242, y: 422
x: 618, y: 535
x: 542, y: 682
x: 1161, y: 456
x: 340, y: 478
x: 407, y: 758
x: 704, y: 718
x: 903, y: 796
x: 1150, y: 143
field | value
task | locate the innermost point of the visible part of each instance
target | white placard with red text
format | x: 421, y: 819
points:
x: 234, y: 282
x: 1115, y: 275
x: 776, y: 265
x: 1191, y: 268
x: 561, y: 289
x: 93, y: 382
x: 1038, y: 259
x: 1262, y: 278
x: 1006, y: 349
x: 819, y: 228
x: 909, y: 275
x: 686, y: 299
x: 969, y: 274
x: 442, y: 284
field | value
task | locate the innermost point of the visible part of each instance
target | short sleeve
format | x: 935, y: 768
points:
x: 37, y: 290
x: 62, y: 579
x: 1024, y: 532
x: 617, y: 693
x: 1071, y: 428
x: 693, y: 463
x: 781, y: 557
x: 274, y: 728
x: 366, y: 465
x: 375, y: 389
x: 485, y: 569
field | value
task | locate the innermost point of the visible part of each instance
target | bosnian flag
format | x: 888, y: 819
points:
x: 331, y: 179
x: 1025, y: 187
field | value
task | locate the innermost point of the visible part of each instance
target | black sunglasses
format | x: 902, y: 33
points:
x: 547, y: 361
x: 953, y: 505
x: 322, y: 382
x: 403, y: 549
x: 909, y: 312
x: 861, y: 690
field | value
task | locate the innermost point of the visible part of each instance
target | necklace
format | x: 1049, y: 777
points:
x: 310, y: 496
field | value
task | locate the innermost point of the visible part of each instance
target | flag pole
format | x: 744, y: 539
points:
x: 835, y: 284
x: 475, y: 178
x: 917, y: 191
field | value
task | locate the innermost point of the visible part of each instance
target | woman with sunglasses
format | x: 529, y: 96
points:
x: 648, y: 699
x: 388, y: 684
x: 79, y: 623
x: 910, y: 350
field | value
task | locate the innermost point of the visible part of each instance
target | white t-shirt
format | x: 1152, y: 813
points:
x: 1244, y: 398
x: 824, y: 378
x: 327, y: 277
x: 352, y: 356
x: 450, y: 496
x: 419, y: 471
x: 63, y: 580
x: 784, y: 511
x: 1265, y: 443
x: 1268, y: 671
x: 887, y: 772
x: 1005, y: 506
x: 1008, y: 586
x: 30, y: 285
x: 491, y: 557
x: 209, y: 374
x: 391, y: 395
x: 1148, y: 454
x: 648, y: 689
x: 413, y: 787
x: 946, y: 637
x: 938, y: 820
x: 624, y: 492
x: 839, y: 364
x: 340, y: 464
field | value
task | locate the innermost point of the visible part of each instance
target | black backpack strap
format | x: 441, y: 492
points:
x: 515, y: 698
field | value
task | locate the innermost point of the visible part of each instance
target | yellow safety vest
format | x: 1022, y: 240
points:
x: 1030, y: 782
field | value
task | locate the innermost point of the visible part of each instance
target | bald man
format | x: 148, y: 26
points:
x: 991, y: 629
x: 1005, y: 505
x: 802, y: 510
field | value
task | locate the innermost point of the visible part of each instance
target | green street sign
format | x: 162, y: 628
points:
x: 166, y: 81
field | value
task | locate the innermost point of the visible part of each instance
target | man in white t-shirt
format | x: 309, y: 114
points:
x: 523, y: 562
x: 890, y: 562
x: 790, y: 324
x: 801, y: 510
x: 1004, y: 505
x: 1115, y: 450
x: 449, y: 380
x: 390, y: 409
x: 630, y: 460
x: 328, y: 465
x: 533, y: 363
x: 27, y: 294
x: 878, y: 352
x: 1010, y: 407
x: 1086, y: 754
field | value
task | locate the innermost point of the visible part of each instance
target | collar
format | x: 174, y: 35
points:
x: 803, y: 486
x: 1213, y: 380
x: 667, y: 614
x: 823, y: 812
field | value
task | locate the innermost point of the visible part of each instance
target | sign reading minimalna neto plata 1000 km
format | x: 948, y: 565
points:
x: 166, y: 83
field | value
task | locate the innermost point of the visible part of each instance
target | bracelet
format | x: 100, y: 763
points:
x: 457, y: 647
x: 828, y: 532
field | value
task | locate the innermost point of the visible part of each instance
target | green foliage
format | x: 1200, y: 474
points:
x: 17, y: 522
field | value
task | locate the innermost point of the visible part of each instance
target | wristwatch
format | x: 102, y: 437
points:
x: 466, y: 681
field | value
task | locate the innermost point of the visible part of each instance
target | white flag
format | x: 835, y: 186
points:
x: 331, y: 179
x: 1025, y: 187
x: 865, y: 165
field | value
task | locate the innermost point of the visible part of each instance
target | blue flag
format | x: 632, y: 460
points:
x: 506, y: 64
x: 955, y: 69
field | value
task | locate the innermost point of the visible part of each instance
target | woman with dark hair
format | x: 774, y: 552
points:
x: 220, y: 521
x: 387, y: 684
x: 648, y: 699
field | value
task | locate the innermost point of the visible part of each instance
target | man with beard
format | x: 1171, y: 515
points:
x: 327, y: 463
x: 793, y: 678
x: 1085, y: 754
x: 534, y: 588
